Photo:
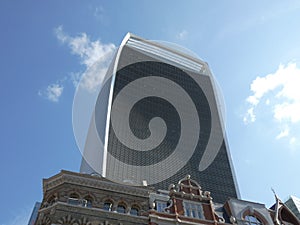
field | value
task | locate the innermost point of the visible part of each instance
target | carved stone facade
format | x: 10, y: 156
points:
x: 80, y: 199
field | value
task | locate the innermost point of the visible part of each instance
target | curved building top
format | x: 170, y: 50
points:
x: 169, y: 54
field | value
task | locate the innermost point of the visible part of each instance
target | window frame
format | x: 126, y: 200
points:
x: 121, y: 205
x: 88, y: 201
x: 252, y: 220
x: 110, y: 203
x: 160, y: 205
x: 136, y: 208
x: 193, y: 209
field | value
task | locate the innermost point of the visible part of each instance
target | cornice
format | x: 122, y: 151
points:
x: 67, y: 177
x: 90, y: 212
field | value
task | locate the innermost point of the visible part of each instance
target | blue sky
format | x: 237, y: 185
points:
x: 252, y: 47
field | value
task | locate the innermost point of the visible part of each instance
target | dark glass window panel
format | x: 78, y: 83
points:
x: 121, y: 209
x: 107, y: 206
x: 134, y: 211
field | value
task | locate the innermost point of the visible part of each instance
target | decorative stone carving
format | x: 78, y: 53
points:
x: 83, y: 221
x: 67, y: 220
x: 105, y: 223
x: 44, y: 221
x: 233, y: 220
x: 189, y: 189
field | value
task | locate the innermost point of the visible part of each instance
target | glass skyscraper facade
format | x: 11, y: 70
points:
x: 158, y: 118
x: 34, y: 213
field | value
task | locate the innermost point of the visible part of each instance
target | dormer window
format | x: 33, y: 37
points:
x: 193, y: 209
x: 252, y: 220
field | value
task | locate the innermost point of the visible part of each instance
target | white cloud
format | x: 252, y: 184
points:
x: 281, y: 95
x: 182, y: 35
x: 268, y: 102
x: 283, y: 133
x: 252, y: 100
x: 249, y: 117
x: 94, y: 55
x: 52, y: 92
x: 99, y: 12
x: 93, y: 76
x: 75, y: 78
x: 287, y: 111
x: 60, y: 35
x: 292, y: 140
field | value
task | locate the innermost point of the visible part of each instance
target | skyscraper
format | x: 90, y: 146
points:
x: 34, y: 213
x: 293, y: 203
x: 158, y: 118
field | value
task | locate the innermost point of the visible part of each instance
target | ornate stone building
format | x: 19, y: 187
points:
x: 80, y: 199
x: 71, y: 198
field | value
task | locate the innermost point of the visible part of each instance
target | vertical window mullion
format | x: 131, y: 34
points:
x: 192, y: 209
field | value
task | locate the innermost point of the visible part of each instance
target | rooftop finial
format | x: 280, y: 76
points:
x: 276, y: 220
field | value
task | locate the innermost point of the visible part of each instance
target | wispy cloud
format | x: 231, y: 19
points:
x: 279, y: 93
x: 94, y: 55
x: 81, y: 45
x: 99, y: 12
x: 52, y: 92
x: 283, y: 133
x: 182, y: 35
x: 20, y: 218
x: 249, y: 117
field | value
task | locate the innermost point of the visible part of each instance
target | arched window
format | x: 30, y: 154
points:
x: 74, y: 195
x: 134, y: 211
x: 252, y: 220
x: 73, y: 199
x: 121, y: 208
x: 51, y: 200
x: 108, y: 205
x: 87, y: 201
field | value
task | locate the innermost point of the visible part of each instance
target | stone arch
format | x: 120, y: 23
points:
x: 135, y: 209
x: 51, y: 199
x: 108, y: 204
x: 250, y: 211
x: 122, y: 207
x: 88, y: 200
x: 74, y: 194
